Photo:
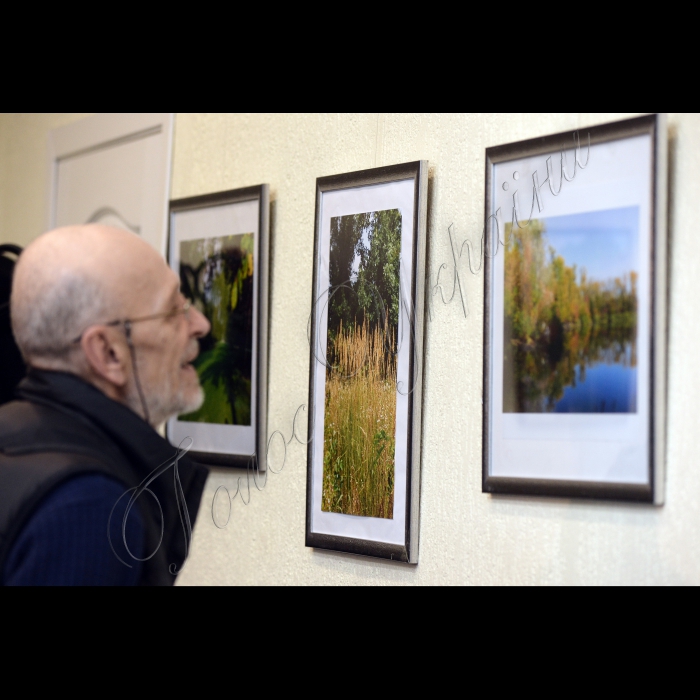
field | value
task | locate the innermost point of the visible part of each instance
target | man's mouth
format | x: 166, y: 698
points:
x: 190, y: 359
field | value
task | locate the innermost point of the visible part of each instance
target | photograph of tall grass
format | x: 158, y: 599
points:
x: 360, y: 401
x: 570, y: 321
x: 216, y: 275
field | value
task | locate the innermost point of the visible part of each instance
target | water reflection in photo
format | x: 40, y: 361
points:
x: 570, y: 322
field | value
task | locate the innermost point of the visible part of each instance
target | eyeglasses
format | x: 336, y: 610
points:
x: 128, y: 322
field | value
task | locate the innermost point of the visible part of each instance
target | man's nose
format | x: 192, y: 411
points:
x: 198, y: 323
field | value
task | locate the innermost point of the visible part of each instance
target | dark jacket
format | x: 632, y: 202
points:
x: 62, y: 427
x: 12, y: 367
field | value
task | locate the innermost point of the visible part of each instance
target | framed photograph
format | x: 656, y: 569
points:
x: 575, y: 314
x: 218, y: 244
x: 366, y: 337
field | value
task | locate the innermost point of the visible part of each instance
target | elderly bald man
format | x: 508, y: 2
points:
x: 109, y: 341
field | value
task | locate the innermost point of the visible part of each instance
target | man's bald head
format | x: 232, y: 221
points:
x: 74, y: 277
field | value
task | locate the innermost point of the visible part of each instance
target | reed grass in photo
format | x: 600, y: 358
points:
x: 360, y: 401
x: 570, y: 326
x: 216, y: 274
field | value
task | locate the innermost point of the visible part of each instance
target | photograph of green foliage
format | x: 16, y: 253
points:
x: 360, y: 401
x: 217, y: 276
x: 570, y: 314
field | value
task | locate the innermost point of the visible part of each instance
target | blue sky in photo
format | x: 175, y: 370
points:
x: 605, y: 242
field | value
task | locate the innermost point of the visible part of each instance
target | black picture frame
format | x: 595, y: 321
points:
x: 652, y: 490
x: 261, y: 194
x: 407, y: 549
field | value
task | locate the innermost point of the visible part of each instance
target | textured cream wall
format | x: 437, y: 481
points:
x: 466, y: 537
x: 23, y: 173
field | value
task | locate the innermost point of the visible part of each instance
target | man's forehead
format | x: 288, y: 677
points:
x: 157, y: 289
x: 173, y: 286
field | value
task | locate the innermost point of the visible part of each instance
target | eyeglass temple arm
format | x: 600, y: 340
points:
x: 111, y: 323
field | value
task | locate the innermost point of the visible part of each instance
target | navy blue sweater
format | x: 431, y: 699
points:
x: 65, y: 542
x: 48, y: 438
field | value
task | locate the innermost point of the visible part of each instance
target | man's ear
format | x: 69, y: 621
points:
x: 107, y: 354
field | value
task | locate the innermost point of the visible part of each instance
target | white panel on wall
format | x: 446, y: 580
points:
x: 113, y: 169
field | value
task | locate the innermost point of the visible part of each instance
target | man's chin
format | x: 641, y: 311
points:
x: 181, y: 405
x: 163, y: 404
x: 192, y: 404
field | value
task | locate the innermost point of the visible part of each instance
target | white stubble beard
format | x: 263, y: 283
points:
x: 162, y: 402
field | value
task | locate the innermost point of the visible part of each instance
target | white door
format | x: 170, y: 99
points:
x: 113, y: 169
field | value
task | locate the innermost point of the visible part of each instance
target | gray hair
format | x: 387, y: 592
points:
x: 52, y: 313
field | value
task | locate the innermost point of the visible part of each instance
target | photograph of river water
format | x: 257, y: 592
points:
x: 570, y: 314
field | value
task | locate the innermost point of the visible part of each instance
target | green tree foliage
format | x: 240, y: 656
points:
x: 217, y: 275
x: 541, y: 289
x: 371, y: 291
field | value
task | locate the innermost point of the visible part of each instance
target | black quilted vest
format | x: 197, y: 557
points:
x: 60, y: 427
